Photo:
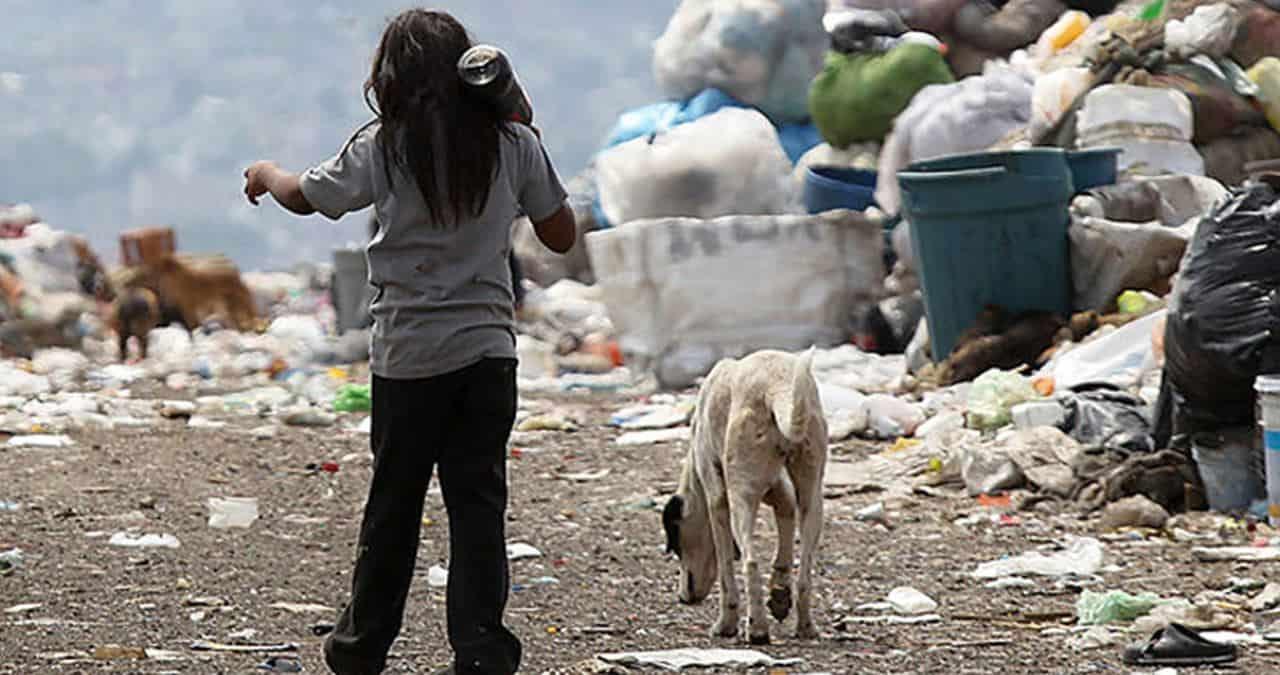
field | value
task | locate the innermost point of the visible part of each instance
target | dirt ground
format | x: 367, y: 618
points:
x: 600, y: 537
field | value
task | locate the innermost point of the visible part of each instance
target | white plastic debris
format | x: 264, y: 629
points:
x: 675, y: 660
x: 890, y: 417
x: 1236, y: 554
x: 1082, y: 557
x: 1034, y: 414
x: 655, y: 437
x: 309, y: 417
x: 18, y: 382
x: 872, y: 514
x: 951, y: 420
x: 521, y: 551
x: 437, y: 577
x: 1010, y: 582
x: 302, y: 607
x: 232, y: 512
x: 44, y: 441
x: 130, y: 540
x: 909, y: 601
x: 198, y: 422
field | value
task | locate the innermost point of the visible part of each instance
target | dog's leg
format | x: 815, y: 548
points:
x: 807, y: 478
x: 722, y: 534
x: 744, y: 505
x: 783, y: 500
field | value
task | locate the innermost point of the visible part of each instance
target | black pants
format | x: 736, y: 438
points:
x: 459, y: 422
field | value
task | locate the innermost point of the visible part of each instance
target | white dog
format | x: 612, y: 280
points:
x: 759, y: 435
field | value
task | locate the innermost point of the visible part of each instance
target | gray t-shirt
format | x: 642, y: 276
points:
x: 443, y: 299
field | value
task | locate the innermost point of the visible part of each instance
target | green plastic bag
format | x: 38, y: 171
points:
x: 992, y: 397
x: 353, y: 398
x: 856, y: 97
x: 1096, y: 609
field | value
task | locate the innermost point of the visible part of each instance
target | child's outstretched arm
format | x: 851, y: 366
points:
x: 285, y: 187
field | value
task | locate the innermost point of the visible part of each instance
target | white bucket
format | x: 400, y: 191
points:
x: 1228, y: 467
x: 1268, y: 388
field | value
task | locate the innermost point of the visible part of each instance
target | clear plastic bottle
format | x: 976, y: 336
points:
x: 487, y: 70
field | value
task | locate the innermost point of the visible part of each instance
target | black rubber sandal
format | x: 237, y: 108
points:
x: 1177, y: 645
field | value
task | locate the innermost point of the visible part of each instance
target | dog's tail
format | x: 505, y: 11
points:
x: 793, y: 408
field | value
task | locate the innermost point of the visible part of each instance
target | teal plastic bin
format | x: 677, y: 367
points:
x: 989, y: 229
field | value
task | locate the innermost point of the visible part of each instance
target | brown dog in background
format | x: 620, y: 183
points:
x: 134, y: 313
x: 199, y: 293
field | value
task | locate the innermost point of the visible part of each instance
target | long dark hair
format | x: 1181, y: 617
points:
x: 429, y: 122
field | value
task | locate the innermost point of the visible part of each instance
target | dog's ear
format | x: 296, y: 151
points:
x: 672, y: 513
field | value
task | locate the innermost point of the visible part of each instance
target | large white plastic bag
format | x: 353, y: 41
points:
x: 1210, y: 29
x: 946, y: 119
x: 762, y: 52
x: 45, y: 259
x: 684, y: 293
x: 727, y: 163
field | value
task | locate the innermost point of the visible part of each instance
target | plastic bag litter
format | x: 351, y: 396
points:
x: 727, y: 163
x: 1120, y: 359
x: 762, y: 52
x: 1108, y: 418
x: 679, y: 659
x: 353, y: 398
x: 232, y: 512
x: 1210, y: 29
x: 129, y: 540
x: 992, y: 397
x: 1083, y: 557
x: 1095, y: 609
x: 17, y: 382
x: 1222, y: 316
x: 856, y: 97
x: 967, y: 116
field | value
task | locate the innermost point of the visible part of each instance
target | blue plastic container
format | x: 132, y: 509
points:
x: 838, y: 187
x: 989, y: 229
x: 1093, y: 168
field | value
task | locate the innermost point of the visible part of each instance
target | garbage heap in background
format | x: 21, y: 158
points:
x: 967, y: 189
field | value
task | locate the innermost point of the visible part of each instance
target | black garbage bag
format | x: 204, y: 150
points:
x: 1104, y: 417
x: 1224, y: 317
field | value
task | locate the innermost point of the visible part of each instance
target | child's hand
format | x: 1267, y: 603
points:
x: 257, y: 179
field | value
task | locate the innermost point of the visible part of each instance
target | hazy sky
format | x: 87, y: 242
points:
x: 121, y: 113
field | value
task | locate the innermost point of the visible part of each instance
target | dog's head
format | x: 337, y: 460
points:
x: 689, y: 538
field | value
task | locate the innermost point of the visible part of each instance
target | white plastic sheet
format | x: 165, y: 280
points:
x: 762, y: 52
x: 727, y: 163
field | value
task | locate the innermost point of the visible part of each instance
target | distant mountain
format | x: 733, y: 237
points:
x: 121, y: 113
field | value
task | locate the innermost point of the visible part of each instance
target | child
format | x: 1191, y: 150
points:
x: 446, y: 175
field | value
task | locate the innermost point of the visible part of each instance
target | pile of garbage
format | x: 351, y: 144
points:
x: 999, y: 219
